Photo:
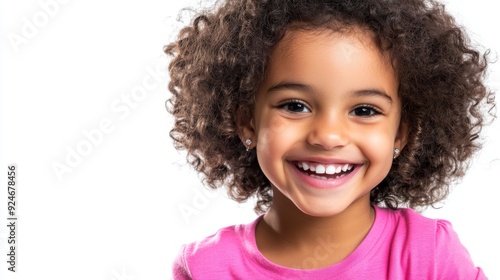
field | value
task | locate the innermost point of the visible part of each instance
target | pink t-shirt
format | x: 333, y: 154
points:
x: 401, y: 244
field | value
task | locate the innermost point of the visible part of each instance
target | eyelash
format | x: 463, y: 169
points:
x: 293, y: 102
x: 373, y: 110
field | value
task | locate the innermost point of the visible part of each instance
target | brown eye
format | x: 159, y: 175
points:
x: 365, y: 111
x: 295, y: 107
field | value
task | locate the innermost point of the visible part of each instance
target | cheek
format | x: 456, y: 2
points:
x: 275, y: 137
x: 276, y: 124
x: 378, y: 146
x: 273, y: 131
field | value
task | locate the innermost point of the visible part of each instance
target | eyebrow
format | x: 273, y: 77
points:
x: 308, y: 89
x: 373, y: 92
x: 290, y: 86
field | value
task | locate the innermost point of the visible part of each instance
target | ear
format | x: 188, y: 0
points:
x: 246, y: 127
x: 401, y: 136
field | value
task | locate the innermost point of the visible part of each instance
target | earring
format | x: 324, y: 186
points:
x: 248, y: 142
x: 396, y: 152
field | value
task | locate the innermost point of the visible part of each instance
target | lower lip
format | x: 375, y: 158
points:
x: 324, y: 184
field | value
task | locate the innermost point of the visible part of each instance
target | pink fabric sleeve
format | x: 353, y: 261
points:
x: 179, y: 268
x: 453, y: 261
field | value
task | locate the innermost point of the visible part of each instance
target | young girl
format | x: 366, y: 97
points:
x: 341, y: 117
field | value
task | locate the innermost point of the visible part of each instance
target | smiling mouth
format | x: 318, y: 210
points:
x: 325, y: 171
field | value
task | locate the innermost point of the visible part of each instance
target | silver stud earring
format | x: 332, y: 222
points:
x: 248, y: 142
x: 396, y: 152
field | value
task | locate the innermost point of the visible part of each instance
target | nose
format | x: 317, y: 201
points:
x: 328, y: 131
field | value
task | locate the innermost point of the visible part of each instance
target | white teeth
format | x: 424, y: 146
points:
x: 320, y: 169
x: 319, y: 177
x: 305, y: 166
x: 329, y: 169
x: 325, y: 178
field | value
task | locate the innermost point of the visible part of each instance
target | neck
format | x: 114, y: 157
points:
x: 286, y: 228
x: 288, y: 221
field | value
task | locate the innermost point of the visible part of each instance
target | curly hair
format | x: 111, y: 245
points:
x: 219, y: 61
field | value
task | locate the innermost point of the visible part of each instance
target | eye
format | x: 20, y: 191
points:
x: 365, y: 111
x: 294, y: 106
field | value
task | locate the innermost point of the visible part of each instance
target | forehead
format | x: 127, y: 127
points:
x: 328, y: 57
x: 296, y: 40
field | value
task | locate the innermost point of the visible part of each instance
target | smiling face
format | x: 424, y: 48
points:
x: 326, y: 121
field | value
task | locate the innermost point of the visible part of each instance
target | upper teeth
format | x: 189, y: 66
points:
x: 328, y: 169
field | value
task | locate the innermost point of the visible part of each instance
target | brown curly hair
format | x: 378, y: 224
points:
x: 219, y: 61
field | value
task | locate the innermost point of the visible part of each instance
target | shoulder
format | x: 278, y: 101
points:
x: 411, y: 224
x: 224, y: 239
x: 213, y: 254
x: 429, y: 246
x: 406, y: 227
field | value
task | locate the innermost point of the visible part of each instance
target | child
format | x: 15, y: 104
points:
x: 341, y: 117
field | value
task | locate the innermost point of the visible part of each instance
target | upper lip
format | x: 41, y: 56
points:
x: 319, y: 160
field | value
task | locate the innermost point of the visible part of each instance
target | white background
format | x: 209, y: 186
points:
x: 77, y: 68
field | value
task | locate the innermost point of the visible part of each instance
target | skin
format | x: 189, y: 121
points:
x: 328, y: 98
